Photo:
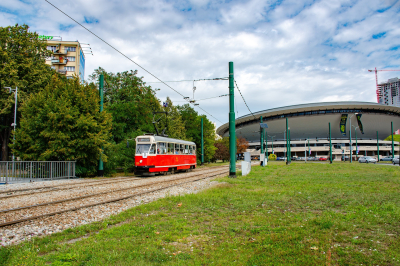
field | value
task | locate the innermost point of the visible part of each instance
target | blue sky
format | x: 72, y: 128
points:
x: 285, y: 51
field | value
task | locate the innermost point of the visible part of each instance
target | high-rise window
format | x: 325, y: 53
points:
x: 70, y: 49
x: 69, y: 68
x: 70, y: 58
x: 52, y: 48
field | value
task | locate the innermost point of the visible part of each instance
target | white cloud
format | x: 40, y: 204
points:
x: 285, y: 52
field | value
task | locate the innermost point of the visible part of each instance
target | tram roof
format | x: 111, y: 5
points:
x: 165, y: 139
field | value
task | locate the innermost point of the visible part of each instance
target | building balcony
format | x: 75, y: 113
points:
x: 62, y: 71
x: 56, y: 61
x: 58, y: 52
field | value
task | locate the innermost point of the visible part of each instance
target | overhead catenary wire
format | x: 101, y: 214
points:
x: 237, y: 87
x: 186, y: 80
x: 129, y: 59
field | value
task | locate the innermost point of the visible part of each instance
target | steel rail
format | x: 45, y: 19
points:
x: 107, y: 201
x: 118, y: 180
x: 93, y: 195
x: 71, y: 187
x: 83, y: 182
x: 45, y: 187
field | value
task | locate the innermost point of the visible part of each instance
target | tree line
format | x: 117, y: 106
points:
x: 58, y: 118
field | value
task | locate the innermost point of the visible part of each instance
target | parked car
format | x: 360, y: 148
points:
x: 300, y: 159
x: 295, y: 158
x: 345, y: 158
x: 367, y: 159
x: 387, y: 158
x: 396, y: 160
x: 323, y: 158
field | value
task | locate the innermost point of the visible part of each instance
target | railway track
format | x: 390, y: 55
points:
x: 81, y: 182
x: 44, y: 189
x: 27, y: 213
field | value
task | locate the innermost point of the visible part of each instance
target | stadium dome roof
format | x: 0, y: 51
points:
x: 311, y: 121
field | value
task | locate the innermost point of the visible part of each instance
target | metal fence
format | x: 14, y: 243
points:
x: 26, y: 171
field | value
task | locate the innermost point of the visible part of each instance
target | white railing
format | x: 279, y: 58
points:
x: 33, y: 171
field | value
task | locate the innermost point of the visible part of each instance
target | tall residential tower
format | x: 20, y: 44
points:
x: 389, y: 92
x: 67, y: 59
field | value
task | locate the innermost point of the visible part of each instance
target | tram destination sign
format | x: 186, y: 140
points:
x: 144, y: 140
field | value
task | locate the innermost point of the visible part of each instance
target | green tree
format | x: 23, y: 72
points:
x: 192, y: 123
x: 130, y: 102
x: 63, y: 122
x: 22, y: 65
x: 173, y: 122
x: 222, y: 149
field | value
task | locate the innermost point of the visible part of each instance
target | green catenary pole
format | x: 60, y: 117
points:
x: 100, y: 171
x: 392, y: 141
x: 232, y: 133
x: 377, y: 143
x: 287, y: 141
x: 202, y: 142
x: 290, y: 150
x: 355, y: 131
x: 351, y: 148
x: 261, y: 137
x: 266, y: 145
x: 330, y: 144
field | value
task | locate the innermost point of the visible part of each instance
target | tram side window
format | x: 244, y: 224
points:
x: 177, y: 151
x: 161, y: 148
x: 186, y: 149
x: 182, y: 149
x: 170, y: 148
x: 190, y: 149
x: 152, y: 149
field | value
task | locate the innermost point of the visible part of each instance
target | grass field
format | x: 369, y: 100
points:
x: 301, y: 214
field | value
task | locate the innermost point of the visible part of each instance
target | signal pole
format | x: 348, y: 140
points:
x: 232, y: 133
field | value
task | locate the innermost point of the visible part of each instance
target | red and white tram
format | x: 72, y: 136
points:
x: 157, y: 154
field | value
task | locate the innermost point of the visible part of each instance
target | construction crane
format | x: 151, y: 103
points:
x: 378, y: 93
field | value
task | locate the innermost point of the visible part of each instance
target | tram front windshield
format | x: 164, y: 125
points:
x: 142, y: 148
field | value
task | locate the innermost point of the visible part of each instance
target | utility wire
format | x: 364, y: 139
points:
x: 244, y: 100
x: 127, y: 57
x: 212, y: 97
x: 185, y: 80
x: 203, y: 99
x: 171, y: 81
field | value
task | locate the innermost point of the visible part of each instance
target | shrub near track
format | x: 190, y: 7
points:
x: 302, y: 214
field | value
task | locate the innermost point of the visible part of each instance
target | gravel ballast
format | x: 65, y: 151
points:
x: 17, y: 233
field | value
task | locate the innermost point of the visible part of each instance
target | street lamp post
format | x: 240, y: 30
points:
x: 351, y: 150
x: 15, y: 109
x: 305, y: 150
x: 15, y: 119
x: 355, y: 131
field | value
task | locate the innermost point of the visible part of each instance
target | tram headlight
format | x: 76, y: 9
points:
x: 140, y: 161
